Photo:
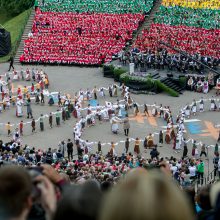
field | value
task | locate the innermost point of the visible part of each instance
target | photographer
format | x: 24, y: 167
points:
x: 29, y: 193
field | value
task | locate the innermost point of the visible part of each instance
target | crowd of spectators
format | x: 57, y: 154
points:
x: 98, y: 6
x: 52, y: 186
x: 78, y: 38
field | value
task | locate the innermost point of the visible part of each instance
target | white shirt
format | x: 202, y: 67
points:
x: 192, y: 170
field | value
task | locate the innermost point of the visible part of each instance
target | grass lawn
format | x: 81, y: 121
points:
x: 15, y: 26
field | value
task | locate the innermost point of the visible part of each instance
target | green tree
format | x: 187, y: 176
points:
x: 15, y: 7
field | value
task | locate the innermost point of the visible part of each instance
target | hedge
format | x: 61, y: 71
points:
x: 163, y: 88
x: 151, y: 83
x: 118, y: 72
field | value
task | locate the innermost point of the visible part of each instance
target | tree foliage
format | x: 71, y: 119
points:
x: 15, y: 7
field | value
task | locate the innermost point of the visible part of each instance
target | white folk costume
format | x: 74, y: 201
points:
x: 194, y: 108
x: 15, y: 77
x: 187, y: 111
x: 201, y: 105
x: 115, y: 90
x: 213, y: 106
x: 80, y: 96
x: 205, y: 87
x: 88, y: 95
x: 19, y: 111
x: 178, y: 141
x: 199, y: 86
x: 114, y: 121
x: 101, y: 93
x: 28, y: 76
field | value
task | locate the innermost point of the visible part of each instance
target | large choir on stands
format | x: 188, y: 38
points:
x: 71, y: 38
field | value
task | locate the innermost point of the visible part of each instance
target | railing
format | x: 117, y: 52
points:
x: 188, y: 55
x: 211, y: 178
x: 18, y: 39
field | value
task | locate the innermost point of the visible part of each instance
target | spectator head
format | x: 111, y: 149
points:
x: 141, y: 194
x: 203, y: 198
x: 80, y: 201
x: 15, y: 193
x: 215, y: 194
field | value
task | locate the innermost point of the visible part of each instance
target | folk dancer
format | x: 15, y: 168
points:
x: 213, y: 105
x: 194, y: 107
x: 201, y: 105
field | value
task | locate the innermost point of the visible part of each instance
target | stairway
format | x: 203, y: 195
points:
x: 155, y: 76
x: 168, y: 82
x: 27, y: 30
x: 147, y: 22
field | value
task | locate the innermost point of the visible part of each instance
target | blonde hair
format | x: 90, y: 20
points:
x: 146, y: 196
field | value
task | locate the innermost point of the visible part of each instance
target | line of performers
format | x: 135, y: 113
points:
x: 193, y: 108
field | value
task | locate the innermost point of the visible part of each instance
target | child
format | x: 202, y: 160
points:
x: 8, y: 128
x: 21, y: 125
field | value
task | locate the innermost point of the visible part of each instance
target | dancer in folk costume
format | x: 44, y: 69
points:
x: 41, y: 122
x: 137, y: 146
x: 174, y: 143
x: 194, y: 107
x: 166, y: 115
x: 201, y: 105
x: 37, y: 98
x: 146, y: 110
x: 187, y: 111
x: 167, y: 137
x: 81, y: 96
x: 51, y: 120
x: 112, y: 151
x: 150, y: 141
x: 95, y: 92
x: 102, y: 93
x: 123, y: 90
x: 205, y: 87
x: 172, y: 133
x: 213, y: 105
x: 21, y: 126
x: 129, y: 101
x: 185, y: 150
x: 161, y: 137
x: 154, y: 111
x: 161, y: 110
x: 115, y: 91
x: 110, y: 90
x: 199, y: 86
x: 114, y: 126
x: 19, y: 111
x: 88, y: 95
x: 136, y: 109
x: 195, y: 152
x: 178, y: 141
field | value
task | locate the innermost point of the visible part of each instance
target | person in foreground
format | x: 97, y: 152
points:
x: 149, y: 195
